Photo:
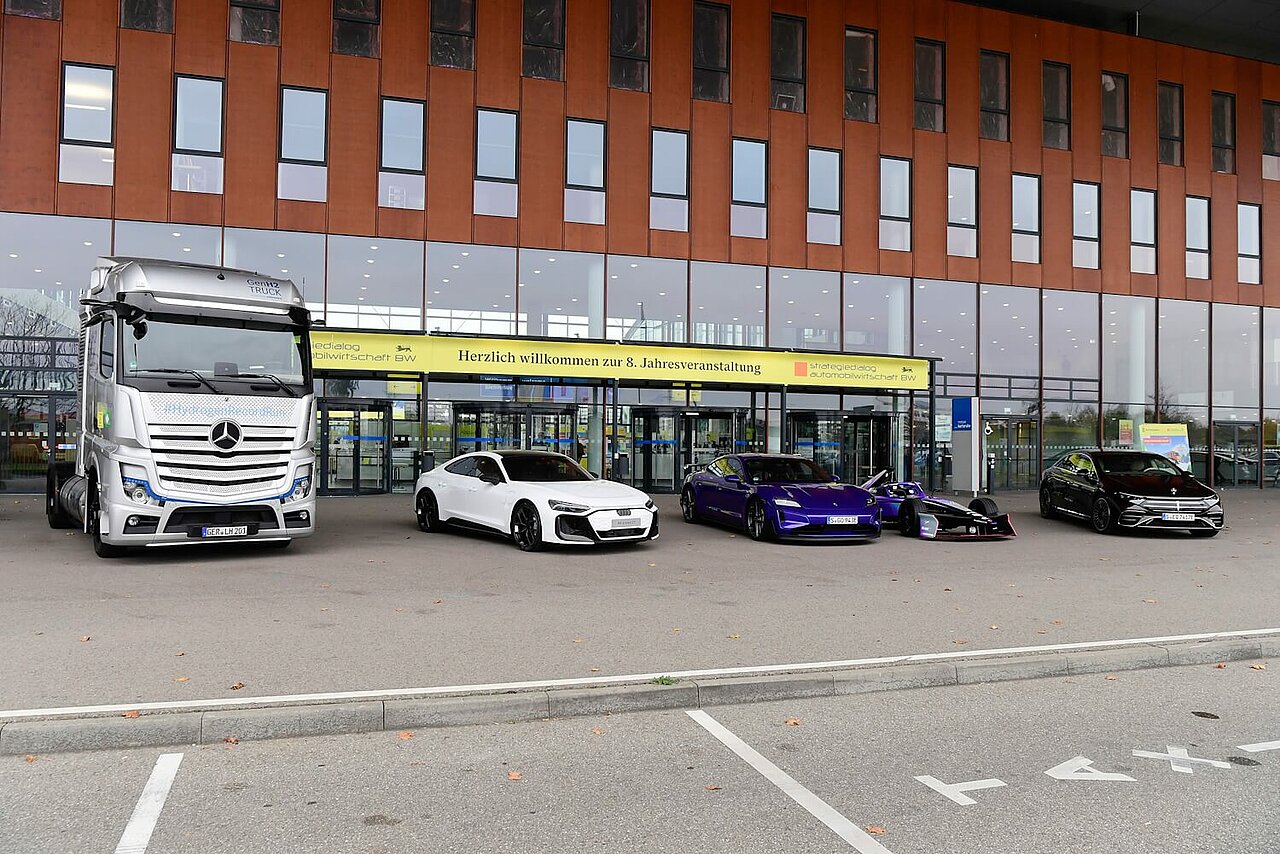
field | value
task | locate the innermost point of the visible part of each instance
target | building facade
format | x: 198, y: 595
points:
x: 1079, y: 226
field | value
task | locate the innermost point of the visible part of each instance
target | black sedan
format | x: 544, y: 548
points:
x: 1129, y: 489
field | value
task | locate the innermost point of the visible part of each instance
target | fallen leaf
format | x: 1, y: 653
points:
x: 1056, y: 622
x: 578, y: 640
x: 237, y: 686
x: 1149, y: 601
x: 325, y: 584
x: 675, y: 628
x: 183, y: 679
x: 1220, y: 665
x: 324, y: 609
x: 230, y: 739
x: 708, y: 788
x: 28, y: 759
x: 792, y: 722
x: 993, y: 626
x: 1257, y: 667
x: 595, y: 670
x: 1041, y: 632
x: 960, y: 641
x: 1104, y: 558
x: 404, y: 735
x: 438, y: 601
x: 734, y: 637
x: 946, y: 590
x: 85, y: 638
x: 513, y: 775
x: 653, y: 564
x: 179, y: 654
x: 875, y: 829
x: 399, y: 610
x: 132, y: 713
x: 1111, y: 677
x: 597, y: 730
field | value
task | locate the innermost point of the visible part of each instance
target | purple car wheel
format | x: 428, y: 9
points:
x: 688, y: 507
x: 757, y: 521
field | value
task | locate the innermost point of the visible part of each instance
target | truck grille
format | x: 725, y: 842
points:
x: 186, y: 461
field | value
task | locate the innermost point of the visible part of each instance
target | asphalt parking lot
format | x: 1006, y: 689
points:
x: 372, y: 603
x: 1150, y: 762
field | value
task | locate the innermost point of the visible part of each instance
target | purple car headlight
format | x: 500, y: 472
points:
x: 786, y: 502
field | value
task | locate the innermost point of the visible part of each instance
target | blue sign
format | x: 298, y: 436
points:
x: 962, y: 414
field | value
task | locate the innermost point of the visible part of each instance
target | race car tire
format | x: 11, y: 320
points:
x: 909, y: 518
x: 985, y: 506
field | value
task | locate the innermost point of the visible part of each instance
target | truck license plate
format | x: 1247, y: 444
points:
x: 1178, y: 517
x: 842, y: 520
x: 228, y: 531
x: 624, y: 523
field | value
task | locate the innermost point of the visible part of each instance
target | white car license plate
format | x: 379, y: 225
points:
x: 1178, y: 517
x: 228, y: 531
x: 842, y: 520
x: 624, y: 523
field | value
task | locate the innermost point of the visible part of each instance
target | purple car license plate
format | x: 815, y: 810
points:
x: 842, y: 520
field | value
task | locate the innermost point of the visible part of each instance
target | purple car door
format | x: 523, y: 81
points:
x: 734, y: 488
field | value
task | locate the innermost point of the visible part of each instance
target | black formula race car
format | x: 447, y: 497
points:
x: 915, y: 513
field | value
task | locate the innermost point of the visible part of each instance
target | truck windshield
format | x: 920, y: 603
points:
x: 220, y: 353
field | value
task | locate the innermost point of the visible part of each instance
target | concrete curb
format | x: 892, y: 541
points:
x: 211, y: 726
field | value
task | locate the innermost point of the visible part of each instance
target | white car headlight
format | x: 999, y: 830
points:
x: 649, y: 505
x: 786, y: 502
x: 566, y: 506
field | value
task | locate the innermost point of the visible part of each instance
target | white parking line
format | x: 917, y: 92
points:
x: 1260, y: 746
x: 586, y: 681
x: 861, y: 841
x: 137, y: 833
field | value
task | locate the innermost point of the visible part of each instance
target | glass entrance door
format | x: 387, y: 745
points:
x: 1235, y: 454
x: 709, y: 435
x: 554, y: 431
x: 867, y: 448
x: 817, y: 436
x: 35, y: 429
x: 654, y: 442
x: 354, y: 449
x: 1013, y: 445
x: 486, y: 430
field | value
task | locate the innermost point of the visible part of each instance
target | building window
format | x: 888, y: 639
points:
x: 197, y: 135
x: 748, y: 213
x: 1085, y: 233
x: 153, y: 15
x: 859, y: 75
x: 1026, y: 219
x: 711, y: 52
x: 1271, y: 140
x: 993, y: 94
x: 453, y: 33
x: 823, y: 219
x: 962, y: 211
x: 1142, y: 231
x: 1249, y: 243
x: 544, y: 39
x: 86, y: 153
x: 584, y: 171
x: 1115, y: 114
x: 51, y: 9
x: 355, y: 27
x: 931, y: 85
x: 629, y: 45
x: 1224, y: 132
x: 496, y: 192
x: 255, y: 21
x: 1169, y: 117
x: 787, y: 64
x: 1197, y: 238
x: 669, y: 182
x: 303, y: 145
x: 1056, y: 105
x: 401, y: 163
x: 895, y: 204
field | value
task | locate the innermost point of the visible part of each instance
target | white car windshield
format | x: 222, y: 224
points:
x: 543, y: 468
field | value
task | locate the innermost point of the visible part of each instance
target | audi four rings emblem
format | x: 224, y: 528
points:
x: 226, y: 435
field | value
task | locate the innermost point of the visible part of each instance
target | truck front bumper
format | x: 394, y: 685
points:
x: 177, y: 523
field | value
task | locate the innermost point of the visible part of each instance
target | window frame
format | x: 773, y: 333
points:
x: 941, y: 100
x: 1232, y: 128
x: 173, y: 20
x: 63, y: 139
x: 804, y: 63
x: 280, y: 117
x: 1124, y: 107
x: 911, y: 178
x: 1240, y: 254
x: 1190, y: 250
x: 476, y: 147
x: 727, y: 71
x: 604, y: 153
x: 874, y: 91
x: 1008, y: 96
x: 1271, y: 105
x: 809, y: 208
x: 349, y: 18
x: 1155, y: 229
x: 525, y: 44
x: 763, y: 143
x: 973, y: 224
x: 687, y: 156
x: 382, y: 112
x: 647, y: 6
x: 56, y: 16
x: 1038, y: 231
x: 1095, y: 239
x: 434, y: 29
x: 222, y: 119
x: 1060, y: 121
x: 258, y: 6
x: 1180, y: 139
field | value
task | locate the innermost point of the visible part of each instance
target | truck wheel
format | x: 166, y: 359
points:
x: 101, y: 549
x: 53, y: 511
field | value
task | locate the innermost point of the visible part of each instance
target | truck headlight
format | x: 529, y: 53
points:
x: 786, y: 502
x: 566, y: 506
x: 136, y: 487
x: 301, y: 486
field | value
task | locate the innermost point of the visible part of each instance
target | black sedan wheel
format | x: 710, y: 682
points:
x: 1047, y: 510
x: 526, y: 528
x: 428, y: 512
x: 909, y: 519
x: 1103, y: 516
x: 757, y: 521
x: 688, y: 507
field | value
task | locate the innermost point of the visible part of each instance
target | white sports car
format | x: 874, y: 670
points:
x: 535, y: 497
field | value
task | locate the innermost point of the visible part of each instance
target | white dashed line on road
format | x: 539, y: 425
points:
x: 137, y: 833
x: 861, y: 841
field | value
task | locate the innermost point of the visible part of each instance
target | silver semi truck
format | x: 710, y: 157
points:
x: 197, y: 414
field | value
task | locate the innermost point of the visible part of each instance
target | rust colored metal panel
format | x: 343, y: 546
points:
x: 1056, y: 219
x: 253, y: 115
x: 1223, y: 237
x: 860, y: 221
x: 1171, y: 231
x: 1248, y: 91
x: 353, y: 146
x: 669, y: 244
x: 750, y: 26
x: 709, y: 176
x: 1055, y: 45
x: 995, y: 214
x: 1146, y: 285
x: 929, y: 205
x: 1087, y: 280
x: 1197, y: 146
x: 580, y: 237
x: 499, y: 41
x: 1025, y: 81
x: 89, y: 30
x: 451, y: 169
x: 495, y: 230
x: 29, y: 91
x: 306, y: 35
x: 301, y: 216
x: 895, y: 263
x: 931, y: 18
x: 963, y: 269
x: 542, y: 164
x: 401, y: 222
x: 627, y: 181
x: 144, y: 105
x: 1270, y: 230
x: 748, y: 250
x: 198, y: 208
x: 1086, y: 103
x: 404, y: 48
x: 824, y: 257
x: 200, y: 38
x: 1144, y: 137
x: 671, y: 62
x: 896, y: 49
x: 84, y: 200
x: 963, y: 43
x: 858, y: 13
x: 1197, y: 289
x: 824, y: 93
x: 1115, y: 225
x: 788, y: 189
x: 587, y: 59
x: 1026, y: 274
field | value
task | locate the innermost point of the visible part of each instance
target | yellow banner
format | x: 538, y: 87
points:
x: 382, y: 352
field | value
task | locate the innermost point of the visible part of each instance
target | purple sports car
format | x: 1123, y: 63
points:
x: 915, y: 513
x: 777, y: 495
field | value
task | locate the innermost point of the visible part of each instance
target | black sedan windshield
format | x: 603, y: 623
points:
x: 784, y: 470
x: 540, y: 468
x: 1122, y: 464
